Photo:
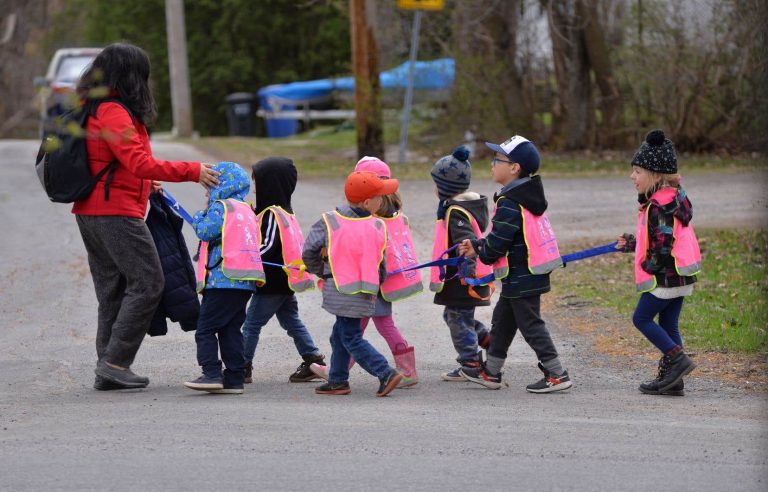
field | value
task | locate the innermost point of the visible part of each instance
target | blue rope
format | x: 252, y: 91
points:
x: 168, y: 198
x: 588, y: 253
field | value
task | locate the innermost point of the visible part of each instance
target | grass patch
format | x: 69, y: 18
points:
x: 727, y: 311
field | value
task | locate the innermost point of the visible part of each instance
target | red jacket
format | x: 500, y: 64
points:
x: 112, y: 135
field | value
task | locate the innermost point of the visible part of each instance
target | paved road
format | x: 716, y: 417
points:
x: 57, y: 433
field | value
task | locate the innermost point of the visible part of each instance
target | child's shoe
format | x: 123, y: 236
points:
x: 319, y: 371
x: 550, y: 382
x: 480, y: 376
x: 248, y: 373
x: 303, y: 373
x: 679, y: 365
x: 230, y: 390
x: 389, y: 383
x: 333, y: 389
x: 652, y: 387
x: 206, y: 383
x: 456, y: 374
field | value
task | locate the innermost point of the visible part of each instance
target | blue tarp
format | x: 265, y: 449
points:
x: 435, y: 74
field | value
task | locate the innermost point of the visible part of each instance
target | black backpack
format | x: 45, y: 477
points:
x: 62, y: 161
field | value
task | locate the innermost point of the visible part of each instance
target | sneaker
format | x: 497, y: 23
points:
x: 101, y: 384
x: 319, y: 371
x: 333, y: 389
x: 652, y: 387
x: 205, y: 383
x: 389, y: 383
x: 680, y: 365
x: 456, y: 374
x: 124, y: 377
x: 303, y: 373
x: 550, y: 382
x: 248, y: 373
x: 227, y: 391
x: 480, y: 376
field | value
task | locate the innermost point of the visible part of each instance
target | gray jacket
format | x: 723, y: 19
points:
x: 336, y: 303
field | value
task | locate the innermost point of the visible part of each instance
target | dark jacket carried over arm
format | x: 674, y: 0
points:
x: 506, y: 237
x: 180, y: 302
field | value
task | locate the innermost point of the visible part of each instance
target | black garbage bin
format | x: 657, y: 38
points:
x: 240, y: 112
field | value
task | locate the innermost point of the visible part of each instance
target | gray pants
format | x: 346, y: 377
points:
x: 128, y: 280
x: 511, y: 315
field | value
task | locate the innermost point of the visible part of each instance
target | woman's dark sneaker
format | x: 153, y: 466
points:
x: 680, y: 365
x: 333, y: 389
x: 228, y: 390
x: 101, y: 384
x: 303, y: 373
x: 550, y: 383
x: 123, y: 377
x: 206, y: 383
x: 652, y: 387
x: 389, y: 383
x: 479, y: 376
x: 248, y: 373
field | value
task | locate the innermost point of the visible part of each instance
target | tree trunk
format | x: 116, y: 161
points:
x: 611, y: 128
x: 365, y: 61
x: 572, y: 73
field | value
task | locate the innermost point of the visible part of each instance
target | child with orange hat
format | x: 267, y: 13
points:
x: 346, y: 248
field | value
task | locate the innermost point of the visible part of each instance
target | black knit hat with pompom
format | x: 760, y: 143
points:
x: 656, y: 154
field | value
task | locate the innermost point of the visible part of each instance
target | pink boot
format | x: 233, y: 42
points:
x: 405, y: 361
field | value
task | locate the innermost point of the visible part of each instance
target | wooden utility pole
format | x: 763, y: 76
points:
x: 365, y: 60
x: 177, y: 63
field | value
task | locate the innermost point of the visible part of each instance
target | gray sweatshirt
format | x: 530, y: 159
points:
x: 336, y: 303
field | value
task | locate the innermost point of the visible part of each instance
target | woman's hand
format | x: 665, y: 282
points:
x: 156, y: 186
x: 208, y: 177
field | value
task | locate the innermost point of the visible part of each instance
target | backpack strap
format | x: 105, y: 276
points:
x: 110, y: 168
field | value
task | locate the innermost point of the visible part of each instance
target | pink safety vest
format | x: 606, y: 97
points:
x: 355, y: 251
x: 400, y: 254
x: 539, y: 237
x: 239, y: 246
x: 685, y: 246
x: 292, y: 242
x: 500, y: 268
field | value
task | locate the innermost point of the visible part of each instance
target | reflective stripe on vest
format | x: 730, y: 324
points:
x: 292, y: 243
x: 540, y: 240
x: 440, y: 244
x: 685, y: 246
x: 400, y: 253
x: 355, y: 251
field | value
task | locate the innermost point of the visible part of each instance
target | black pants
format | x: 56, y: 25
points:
x: 222, y: 313
x: 522, y: 314
x: 128, y: 280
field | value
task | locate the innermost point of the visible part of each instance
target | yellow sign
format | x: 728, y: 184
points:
x: 421, y: 4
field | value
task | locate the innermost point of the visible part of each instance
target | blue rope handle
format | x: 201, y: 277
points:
x: 176, y: 206
x: 438, y: 262
x: 589, y: 253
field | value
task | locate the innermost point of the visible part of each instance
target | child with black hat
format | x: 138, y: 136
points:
x: 521, y: 234
x: 461, y: 214
x: 667, y: 259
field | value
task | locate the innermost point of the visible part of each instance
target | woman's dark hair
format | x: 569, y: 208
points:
x: 121, y: 71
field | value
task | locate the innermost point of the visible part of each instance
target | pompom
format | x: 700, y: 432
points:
x: 655, y: 138
x: 461, y: 153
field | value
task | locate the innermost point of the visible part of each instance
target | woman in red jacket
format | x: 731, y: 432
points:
x: 123, y: 259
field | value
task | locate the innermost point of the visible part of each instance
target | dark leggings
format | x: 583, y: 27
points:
x: 665, y: 335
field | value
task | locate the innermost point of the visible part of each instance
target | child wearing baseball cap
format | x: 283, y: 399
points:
x: 346, y: 248
x: 522, y: 235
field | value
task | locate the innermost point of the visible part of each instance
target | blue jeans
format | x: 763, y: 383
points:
x: 665, y: 335
x: 221, y: 315
x: 285, y: 307
x: 347, y: 339
x: 465, y: 331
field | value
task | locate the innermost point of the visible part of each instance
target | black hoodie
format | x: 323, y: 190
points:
x: 506, y: 237
x: 275, y: 180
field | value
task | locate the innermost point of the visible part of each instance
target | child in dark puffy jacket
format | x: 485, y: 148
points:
x: 667, y: 259
x: 274, y: 180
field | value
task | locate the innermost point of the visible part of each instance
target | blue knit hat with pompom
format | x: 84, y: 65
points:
x: 452, y: 173
x: 656, y: 154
